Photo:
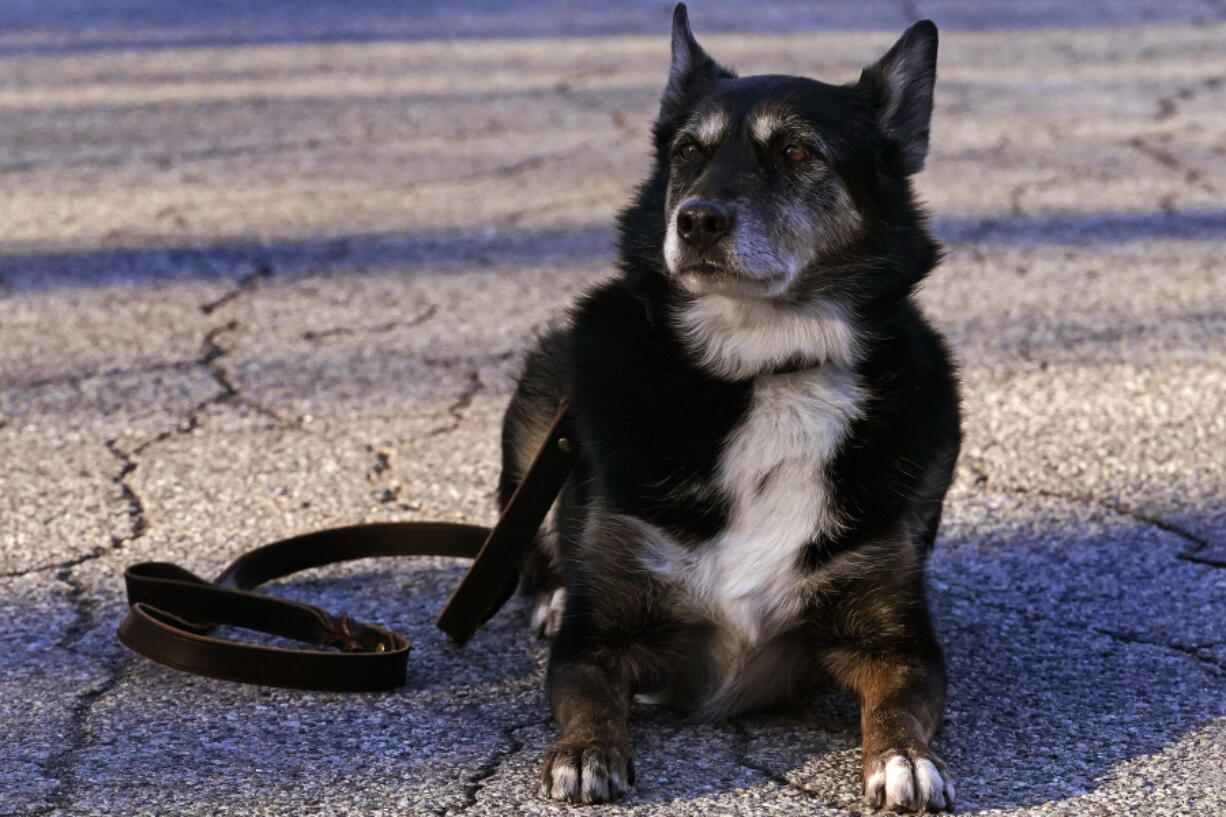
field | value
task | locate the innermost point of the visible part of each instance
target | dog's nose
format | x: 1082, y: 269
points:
x: 700, y: 223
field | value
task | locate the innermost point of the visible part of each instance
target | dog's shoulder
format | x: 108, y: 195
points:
x: 901, y: 449
x: 610, y: 316
x: 909, y: 368
x: 614, y: 350
x: 623, y: 350
x: 650, y: 418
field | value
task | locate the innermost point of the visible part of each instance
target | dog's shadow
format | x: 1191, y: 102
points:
x: 1037, y: 712
x: 1068, y: 661
x: 1044, y: 705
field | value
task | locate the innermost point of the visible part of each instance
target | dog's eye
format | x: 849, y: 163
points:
x: 690, y: 152
x: 797, y: 153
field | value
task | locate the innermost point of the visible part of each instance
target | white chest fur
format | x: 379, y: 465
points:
x: 738, y: 337
x: 773, y: 470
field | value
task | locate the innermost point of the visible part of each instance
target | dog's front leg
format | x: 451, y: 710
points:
x: 901, y: 686
x: 590, y: 697
x: 616, y: 639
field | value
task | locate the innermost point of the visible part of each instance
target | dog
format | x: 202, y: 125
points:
x: 765, y: 426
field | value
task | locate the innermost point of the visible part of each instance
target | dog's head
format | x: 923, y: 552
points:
x: 772, y: 183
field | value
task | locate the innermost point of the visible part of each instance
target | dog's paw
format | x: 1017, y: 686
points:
x: 908, y: 781
x: 547, y: 612
x: 586, y: 771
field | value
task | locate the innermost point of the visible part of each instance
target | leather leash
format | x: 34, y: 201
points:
x: 172, y: 611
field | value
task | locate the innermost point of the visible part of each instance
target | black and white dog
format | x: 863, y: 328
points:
x: 767, y: 427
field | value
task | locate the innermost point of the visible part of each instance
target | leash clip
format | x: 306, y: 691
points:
x: 349, y: 635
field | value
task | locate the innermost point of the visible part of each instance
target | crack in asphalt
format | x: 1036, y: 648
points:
x: 228, y: 391
x: 417, y: 320
x: 1192, y: 177
x: 1191, y: 650
x: 136, y: 512
x: 483, y: 359
x: 1195, y: 557
x: 1183, y: 650
x: 742, y: 759
x: 136, y: 507
x: 211, y: 354
x: 245, y: 285
x: 1168, y: 105
x: 61, y: 766
x: 336, y: 331
x: 95, y: 553
x: 503, y: 171
x: 461, y: 404
x: 983, y: 481
x: 115, y: 371
x: 475, y: 782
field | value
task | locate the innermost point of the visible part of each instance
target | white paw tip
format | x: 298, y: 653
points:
x: 874, y: 786
x: 899, y: 788
x: 595, y: 782
x: 565, y: 781
x: 902, y: 784
x: 931, y: 786
x: 547, y: 613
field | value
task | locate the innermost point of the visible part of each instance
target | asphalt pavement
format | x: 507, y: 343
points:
x: 265, y: 270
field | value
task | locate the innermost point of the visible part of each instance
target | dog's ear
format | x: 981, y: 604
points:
x: 691, y: 72
x: 901, y: 84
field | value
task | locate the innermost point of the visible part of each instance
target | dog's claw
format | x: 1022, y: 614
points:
x: 547, y: 612
x: 586, y: 772
x: 908, y: 781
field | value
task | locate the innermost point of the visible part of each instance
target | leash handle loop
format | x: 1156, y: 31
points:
x: 172, y: 612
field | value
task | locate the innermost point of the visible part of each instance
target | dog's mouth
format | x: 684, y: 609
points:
x: 708, y: 269
x: 711, y: 278
x: 721, y: 269
x: 713, y: 263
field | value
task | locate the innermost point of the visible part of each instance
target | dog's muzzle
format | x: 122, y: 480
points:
x: 701, y: 223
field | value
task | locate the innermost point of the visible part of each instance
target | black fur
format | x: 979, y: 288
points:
x: 652, y: 424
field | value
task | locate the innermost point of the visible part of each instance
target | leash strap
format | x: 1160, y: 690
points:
x: 172, y: 611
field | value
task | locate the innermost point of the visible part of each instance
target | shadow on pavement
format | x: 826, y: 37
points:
x: 1046, y: 698
x: 1067, y: 664
x: 39, y: 270
x: 1061, y: 670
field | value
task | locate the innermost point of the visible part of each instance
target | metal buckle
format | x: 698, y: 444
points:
x: 351, y: 636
